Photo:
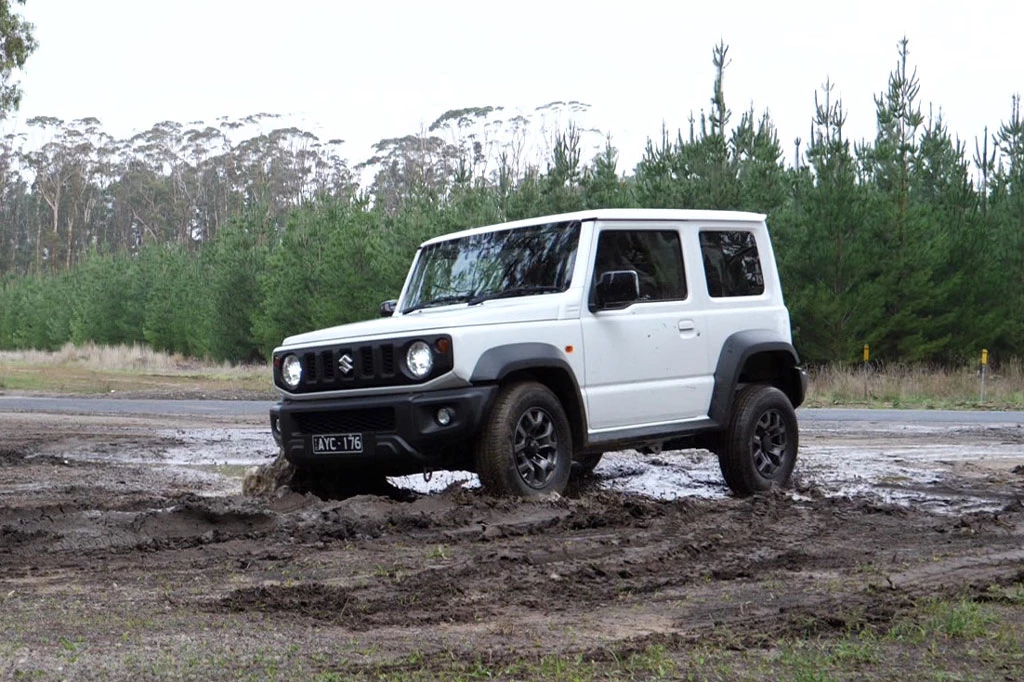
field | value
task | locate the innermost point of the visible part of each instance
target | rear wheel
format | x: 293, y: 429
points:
x: 758, y: 450
x: 525, y: 448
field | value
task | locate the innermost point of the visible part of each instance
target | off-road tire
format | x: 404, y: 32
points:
x: 758, y: 449
x: 525, y: 448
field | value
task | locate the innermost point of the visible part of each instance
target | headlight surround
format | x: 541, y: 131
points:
x: 419, y: 359
x: 291, y: 371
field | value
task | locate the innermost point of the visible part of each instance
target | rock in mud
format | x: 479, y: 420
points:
x: 281, y: 477
x: 267, y: 479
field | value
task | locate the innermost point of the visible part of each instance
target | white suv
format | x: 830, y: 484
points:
x: 525, y: 350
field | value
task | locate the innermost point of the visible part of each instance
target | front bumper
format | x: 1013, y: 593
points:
x: 400, y: 433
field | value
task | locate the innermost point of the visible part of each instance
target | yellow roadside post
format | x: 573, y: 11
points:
x: 867, y: 358
x: 984, y: 370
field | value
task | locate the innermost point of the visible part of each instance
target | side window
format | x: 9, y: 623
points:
x: 731, y: 264
x: 655, y: 255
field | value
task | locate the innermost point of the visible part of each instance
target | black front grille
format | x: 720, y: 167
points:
x: 347, y: 421
x: 364, y: 365
x: 348, y: 367
x: 327, y: 365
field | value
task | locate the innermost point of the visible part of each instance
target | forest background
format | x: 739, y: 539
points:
x: 219, y: 239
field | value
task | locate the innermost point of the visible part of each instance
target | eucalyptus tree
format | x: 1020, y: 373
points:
x: 474, y: 133
x: 410, y: 167
x: 16, y: 209
x: 150, y: 188
x: 16, y: 44
x: 207, y: 153
x: 61, y: 168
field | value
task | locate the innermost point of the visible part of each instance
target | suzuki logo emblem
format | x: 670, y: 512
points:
x: 345, y: 364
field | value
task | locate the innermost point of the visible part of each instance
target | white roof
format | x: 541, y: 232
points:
x: 674, y: 214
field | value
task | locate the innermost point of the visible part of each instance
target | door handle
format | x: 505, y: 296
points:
x: 686, y: 325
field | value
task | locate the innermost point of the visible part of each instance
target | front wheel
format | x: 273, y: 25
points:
x: 525, y: 448
x: 759, y: 447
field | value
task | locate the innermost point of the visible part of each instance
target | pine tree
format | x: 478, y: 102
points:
x: 1006, y: 248
x: 904, y: 247
x: 822, y: 252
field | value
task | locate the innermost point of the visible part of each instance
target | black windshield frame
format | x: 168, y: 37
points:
x: 530, y: 260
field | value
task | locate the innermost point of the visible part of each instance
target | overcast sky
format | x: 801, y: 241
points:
x: 363, y: 71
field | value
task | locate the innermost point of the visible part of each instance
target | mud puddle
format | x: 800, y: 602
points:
x: 938, y: 468
x: 934, y: 466
x: 223, y: 446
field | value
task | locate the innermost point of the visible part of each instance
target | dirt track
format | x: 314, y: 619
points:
x: 120, y: 556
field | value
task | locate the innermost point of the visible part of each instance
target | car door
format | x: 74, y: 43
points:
x: 645, y: 360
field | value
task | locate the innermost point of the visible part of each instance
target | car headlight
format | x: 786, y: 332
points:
x: 419, y: 359
x: 291, y: 371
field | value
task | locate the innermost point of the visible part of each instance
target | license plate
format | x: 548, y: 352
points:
x: 338, y: 444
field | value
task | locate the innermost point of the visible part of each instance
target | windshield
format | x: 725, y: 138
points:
x: 518, y: 262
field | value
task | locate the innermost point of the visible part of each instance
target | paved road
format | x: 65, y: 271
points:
x: 249, y: 408
x: 225, y: 408
x: 911, y: 416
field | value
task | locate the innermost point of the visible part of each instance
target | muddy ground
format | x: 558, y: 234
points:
x: 127, y: 551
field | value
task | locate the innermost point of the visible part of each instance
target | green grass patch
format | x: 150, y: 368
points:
x: 226, y: 470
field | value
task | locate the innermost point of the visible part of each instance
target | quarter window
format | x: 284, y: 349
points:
x: 732, y: 266
x: 655, y: 255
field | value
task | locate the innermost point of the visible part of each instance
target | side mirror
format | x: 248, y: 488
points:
x: 387, y: 308
x: 617, y: 289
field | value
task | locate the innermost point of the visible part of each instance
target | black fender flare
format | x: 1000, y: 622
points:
x: 736, y: 350
x: 496, y: 363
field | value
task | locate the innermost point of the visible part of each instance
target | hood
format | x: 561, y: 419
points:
x: 507, y: 311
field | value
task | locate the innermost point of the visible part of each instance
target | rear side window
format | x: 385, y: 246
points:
x: 732, y: 266
x: 655, y: 255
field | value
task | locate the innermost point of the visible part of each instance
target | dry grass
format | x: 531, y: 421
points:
x: 132, y: 370
x: 918, y: 386
x: 138, y: 370
x: 133, y: 358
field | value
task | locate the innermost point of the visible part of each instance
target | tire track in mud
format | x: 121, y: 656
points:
x: 617, y: 568
x: 77, y: 529
x: 594, y: 555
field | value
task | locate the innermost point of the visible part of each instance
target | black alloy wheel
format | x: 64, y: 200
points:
x: 535, y: 445
x: 768, y: 445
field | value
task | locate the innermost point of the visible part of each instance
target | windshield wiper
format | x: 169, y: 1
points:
x: 514, y: 291
x: 441, y: 300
